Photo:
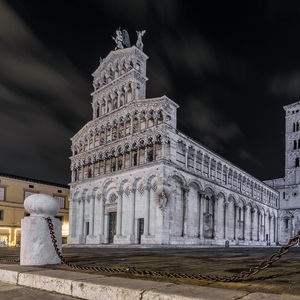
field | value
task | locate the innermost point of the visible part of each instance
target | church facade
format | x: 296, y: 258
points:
x: 136, y: 179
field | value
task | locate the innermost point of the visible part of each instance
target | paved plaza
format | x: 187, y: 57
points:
x: 280, y: 278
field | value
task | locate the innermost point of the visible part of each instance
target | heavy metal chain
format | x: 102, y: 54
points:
x: 131, y: 270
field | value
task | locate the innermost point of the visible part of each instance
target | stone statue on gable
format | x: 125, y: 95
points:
x: 121, y: 39
x: 139, y: 43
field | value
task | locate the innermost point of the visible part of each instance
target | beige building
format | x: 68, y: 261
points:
x: 13, y: 191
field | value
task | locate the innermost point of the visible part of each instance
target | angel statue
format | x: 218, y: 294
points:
x: 139, y: 43
x: 121, y: 39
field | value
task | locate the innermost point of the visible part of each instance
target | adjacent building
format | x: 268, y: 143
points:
x: 13, y: 191
x: 289, y: 186
x: 136, y: 179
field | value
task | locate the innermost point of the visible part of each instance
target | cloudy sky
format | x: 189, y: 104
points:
x: 230, y: 65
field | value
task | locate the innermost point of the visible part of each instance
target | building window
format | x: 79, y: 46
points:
x: 61, y: 200
x: 297, y: 162
x: 1, y: 215
x: 2, y: 193
x: 286, y: 221
x: 283, y: 194
x: 28, y: 193
x: 31, y: 186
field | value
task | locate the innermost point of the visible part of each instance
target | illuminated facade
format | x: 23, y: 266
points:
x: 136, y: 179
x: 13, y: 191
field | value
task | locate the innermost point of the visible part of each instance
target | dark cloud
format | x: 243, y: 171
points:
x: 223, y: 63
x: 287, y: 85
x: 42, y: 98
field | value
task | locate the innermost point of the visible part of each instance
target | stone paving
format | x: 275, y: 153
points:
x: 280, y: 278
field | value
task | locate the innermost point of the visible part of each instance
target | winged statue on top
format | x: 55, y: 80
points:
x: 121, y: 39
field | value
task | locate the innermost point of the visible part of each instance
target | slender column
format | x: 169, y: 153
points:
x: 225, y: 213
x: 82, y: 171
x: 235, y: 207
x: 118, y: 95
x: 138, y: 156
x: 72, y: 175
x: 130, y: 158
x: 92, y: 205
x: 186, y: 157
x: 123, y: 160
x: 270, y: 232
x: 163, y: 149
x: 147, y: 211
x: 73, y: 217
x: 258, y: 225
x: 105, y: 135
x: 81, y: 215
x: 154, y: 150
x: 93, y: 168
x: 101, y: 217
x: 247, y: 223
x: 208, y: 168
x: 132, y: 211
x: 230, y: 226
x: 244, y: 221
x: 146, y: 153
x: 131, y: 125
x: 106, y: 220
x: 119, y: 213
x: 139, y: 124
x: 212, y: 199
x: 201, y: 215
x: 118, y: 130
x: 185, y: 212
x: 105, y: 102
x: 251, y: 223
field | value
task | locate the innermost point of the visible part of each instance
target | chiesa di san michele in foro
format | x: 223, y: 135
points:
x: 136, y: 179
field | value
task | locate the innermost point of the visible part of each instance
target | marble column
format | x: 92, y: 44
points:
x: 119, y: 213
x: 132, y: 213
x: 147, y: 211
x: 91, y: 220
x: 201, y: 213
x: 81, y: 216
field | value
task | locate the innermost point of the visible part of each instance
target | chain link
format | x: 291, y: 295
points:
x: 131, y: 270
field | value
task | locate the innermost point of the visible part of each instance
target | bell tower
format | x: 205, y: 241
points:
x: 292, y: 143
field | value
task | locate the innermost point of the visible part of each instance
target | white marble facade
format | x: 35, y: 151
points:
x: 136, y: 179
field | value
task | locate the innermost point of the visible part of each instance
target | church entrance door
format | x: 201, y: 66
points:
x: 140, y: 229
x: 112, y: 219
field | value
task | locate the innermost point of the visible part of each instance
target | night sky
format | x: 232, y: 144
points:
x: 230, y: 65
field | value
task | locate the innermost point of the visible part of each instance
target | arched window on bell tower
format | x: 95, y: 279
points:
x: 297, y: 162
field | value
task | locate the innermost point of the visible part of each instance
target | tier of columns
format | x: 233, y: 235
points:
x: 118, y: 161
x: 217, y: 220
x: 208, y: 167
x: 119, y: 130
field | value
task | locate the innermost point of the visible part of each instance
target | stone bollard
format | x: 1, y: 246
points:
x: 36, y: 244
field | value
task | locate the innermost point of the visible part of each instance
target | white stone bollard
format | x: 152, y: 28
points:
x: 36, y: 244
